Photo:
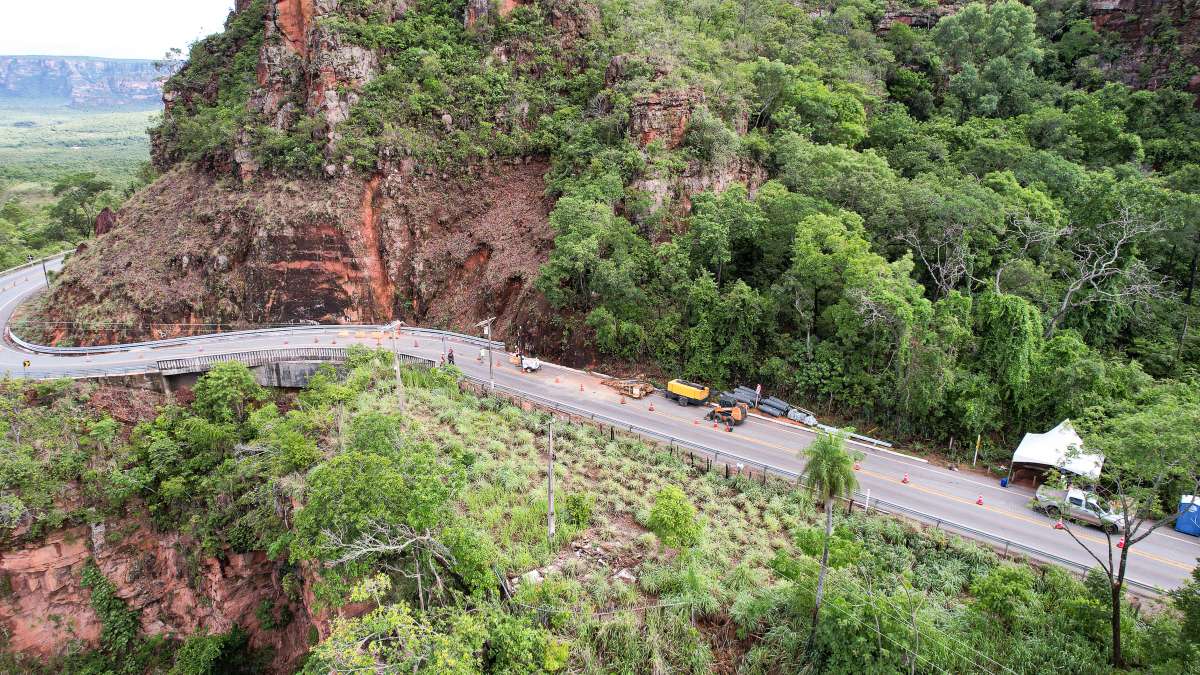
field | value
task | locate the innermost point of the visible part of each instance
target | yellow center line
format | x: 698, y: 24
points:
x: 1030, y: 519
x: 1011, y: 514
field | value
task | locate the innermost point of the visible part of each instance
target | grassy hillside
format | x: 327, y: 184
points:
x: 421, y: 501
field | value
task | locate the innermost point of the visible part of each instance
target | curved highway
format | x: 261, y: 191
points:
x: 937, y: 495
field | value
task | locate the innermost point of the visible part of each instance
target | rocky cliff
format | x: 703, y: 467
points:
x: 1160, y: 39
x: 84, y: 82
x: 404, y: 238
x: 422, y: 247
x: 173, y: 590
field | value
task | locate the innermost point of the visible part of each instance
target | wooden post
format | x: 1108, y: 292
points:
x: 550, y: 524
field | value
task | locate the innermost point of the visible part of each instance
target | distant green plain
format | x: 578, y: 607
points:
x: 41, y: 140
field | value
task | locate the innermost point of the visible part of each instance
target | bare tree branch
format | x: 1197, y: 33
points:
x: 1100, y: 271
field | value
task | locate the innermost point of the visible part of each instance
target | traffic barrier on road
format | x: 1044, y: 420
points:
x: 905, y: 479
x: 241, y: 336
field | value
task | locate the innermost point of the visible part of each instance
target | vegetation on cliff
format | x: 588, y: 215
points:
x: 416, y: 514
x: 956, y: 231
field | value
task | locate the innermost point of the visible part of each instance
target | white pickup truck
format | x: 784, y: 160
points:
x: 1078, y: 505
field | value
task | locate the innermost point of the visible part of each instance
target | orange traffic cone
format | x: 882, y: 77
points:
x: 651, y: 407
x: 1059, y: 525
x: 1121, y: 544
x: 622, y: 400
x: 905, y: 479
x: 857, y: 466
x: 696, y: 422
x: 556, y: 380
x: 980, y: 500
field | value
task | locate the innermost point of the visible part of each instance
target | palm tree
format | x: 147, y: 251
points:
x: 829, y: 474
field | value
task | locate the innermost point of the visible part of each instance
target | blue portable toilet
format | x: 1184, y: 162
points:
x: 1189, y: 515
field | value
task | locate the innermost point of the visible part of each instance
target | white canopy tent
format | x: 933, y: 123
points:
x: 1060, y: 448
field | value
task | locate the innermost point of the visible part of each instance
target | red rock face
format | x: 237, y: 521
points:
x: 918, y: 17
x: 478, y: 10
x: 664, y: 116
x: 1144, y: 63
x: 48, y: 607
x: 424, y: 248
x: 294, y: 18
x: 105, y: 222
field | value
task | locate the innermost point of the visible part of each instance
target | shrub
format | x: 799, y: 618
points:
x: 673, y: 518
x: 577, y: 509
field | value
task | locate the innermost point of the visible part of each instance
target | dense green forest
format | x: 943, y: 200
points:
x: 965, y: 230
x: 420, y: 499
x: 59, y: 167
x: 39, y: 227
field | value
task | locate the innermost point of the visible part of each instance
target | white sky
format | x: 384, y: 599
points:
x: 134, y: 29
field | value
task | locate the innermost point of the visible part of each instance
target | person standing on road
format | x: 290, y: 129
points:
x: 450, y: 356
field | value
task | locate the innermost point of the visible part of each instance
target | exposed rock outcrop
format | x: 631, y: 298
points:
x: 105, y: 222
x: 1162, y: 38
x: 664, y: 116
x: 918, y: 17
x: 423, y: 247
x: 480, y: 10
x: 174, y: 589
x: 84, y: 82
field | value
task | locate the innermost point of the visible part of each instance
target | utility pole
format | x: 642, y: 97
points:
x: 550, y: 524
x: 486, y: 325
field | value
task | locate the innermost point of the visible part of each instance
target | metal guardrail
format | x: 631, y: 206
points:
x: 35, y: 263
x: 718, y: 456
x: 241, y: 335
x: 262, y: 357
x: 1007, y: 546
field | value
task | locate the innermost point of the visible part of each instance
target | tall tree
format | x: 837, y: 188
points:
x: 77, y: 206
x: 1103, y: 270
x: 829, y: 474
x: 1151, y: 444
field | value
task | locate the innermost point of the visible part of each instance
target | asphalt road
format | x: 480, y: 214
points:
x: 1163, y: 560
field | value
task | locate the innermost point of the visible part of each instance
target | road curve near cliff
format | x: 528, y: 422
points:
x: 934, y: 494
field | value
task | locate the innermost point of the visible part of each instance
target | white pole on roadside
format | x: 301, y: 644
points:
x: 867, y: 503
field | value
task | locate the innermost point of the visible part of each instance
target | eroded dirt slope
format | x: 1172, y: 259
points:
x: 194, y: 250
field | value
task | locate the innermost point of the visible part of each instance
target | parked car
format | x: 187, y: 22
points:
x: 1078, y: 505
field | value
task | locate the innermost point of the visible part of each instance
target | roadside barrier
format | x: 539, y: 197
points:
x: 735, y: 465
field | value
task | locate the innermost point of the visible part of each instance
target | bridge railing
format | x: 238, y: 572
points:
x: 1005, y: 546
x: 232, y: 336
